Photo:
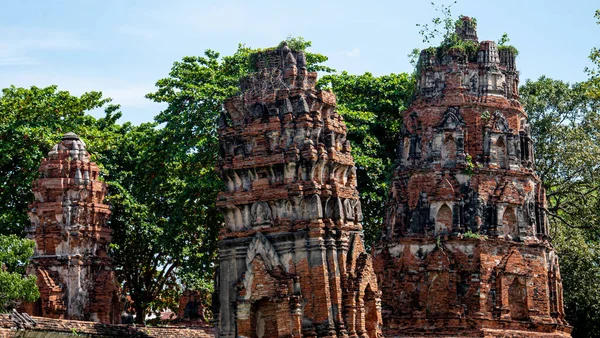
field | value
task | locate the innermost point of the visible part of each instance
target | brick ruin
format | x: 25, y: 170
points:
x: 464, y: 251
x: 465, y: 248
x: 291, y: 255
x: 68, y: 224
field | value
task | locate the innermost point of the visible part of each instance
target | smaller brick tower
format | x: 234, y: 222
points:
x: 465, y: 248
x: 292, y: 261
x: 68, y: 225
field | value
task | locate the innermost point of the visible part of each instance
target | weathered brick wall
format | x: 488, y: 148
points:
x: 68, y: 225
x: 465, y: 247
x: 291, y: 257
x: 56, y: 328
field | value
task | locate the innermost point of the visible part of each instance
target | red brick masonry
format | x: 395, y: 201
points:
x: 50, y: 328
x: 68, y: 225
x: 465, y: 248
x: 292, y: 261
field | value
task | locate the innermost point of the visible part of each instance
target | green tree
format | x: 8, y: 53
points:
x: 14, y: 286
x: 162, y: 237
x: 593, y: 85
x: 371, y: 107
x: 565, y: 124
x: 31, y: 122
x: 187, y: 149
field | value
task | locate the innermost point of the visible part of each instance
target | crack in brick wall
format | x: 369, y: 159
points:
x: 465, y: 247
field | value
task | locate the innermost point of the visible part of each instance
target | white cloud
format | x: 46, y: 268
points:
x: 17, y: 45
x: 354, y: 53
x: 143, y: 33
x: 125, y: 93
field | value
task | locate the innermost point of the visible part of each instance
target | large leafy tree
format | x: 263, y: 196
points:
x: 31, y: 122
x: 371, y: 107
x: 14, y: 286
x: 185, y: 151
x: 565, y: 124
x: 593, y: 84
x: 162, y: 237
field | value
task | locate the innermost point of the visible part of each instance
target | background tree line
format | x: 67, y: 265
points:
x: 163, y: 185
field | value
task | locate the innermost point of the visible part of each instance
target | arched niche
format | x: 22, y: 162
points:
x: 312, y: 208
x: 448, y: 151
x: 509, y: 222
x: 233, y: 218
x: 501, y: 153
x: 443, y: 220
x: 517, y: 300
x: 261, y: 214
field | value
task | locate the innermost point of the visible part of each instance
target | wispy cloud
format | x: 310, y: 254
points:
x: 354, y: 53
x: 18, y: 46
x: 143, y: 33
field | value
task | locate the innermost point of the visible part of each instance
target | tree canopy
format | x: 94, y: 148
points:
x: 163, y: 184
x: 371, y: 107
x: 14, y: 286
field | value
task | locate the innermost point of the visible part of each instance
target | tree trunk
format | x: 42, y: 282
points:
x: 140, y: 313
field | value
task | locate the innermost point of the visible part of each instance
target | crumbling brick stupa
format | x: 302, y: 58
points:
x: 291, y: 255
x: 69, y: 227
x: 465, y: 248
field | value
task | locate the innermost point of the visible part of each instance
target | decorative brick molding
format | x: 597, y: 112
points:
x: 465, y: 248
x: 68, y: 225
x: 292, y: 261
x: 56, y: 328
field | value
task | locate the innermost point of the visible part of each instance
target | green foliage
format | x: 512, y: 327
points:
x: 371, y: 108
x: 158, y: 232
x: 503, y: 45
x: 414, y: 57
x: 503, y: 40
x: 443, y: 28
x: 314, y: 62
x: 175, y: 167
x: 579, y: 257
x: 31, y: 122
x: 14, y: 286
x: 470, y: 169
x: 512, y: 49
x: 486, y: 116
x: 593, y: 84
x: 470, y: 234
x: 565, y: 124
x: 443, y: 25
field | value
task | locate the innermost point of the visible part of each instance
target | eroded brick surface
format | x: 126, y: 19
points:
x: 68, y: 225
x: 292, y: 261
x: 465, y: 248
x: 56, y: 328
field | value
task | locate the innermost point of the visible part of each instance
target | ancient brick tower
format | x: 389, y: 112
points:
x: 68, y: 225
x: 292, y: 261
x: 465, y: 246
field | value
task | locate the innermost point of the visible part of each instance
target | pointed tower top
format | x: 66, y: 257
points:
x: 70, y: 136
x: 466, y: 29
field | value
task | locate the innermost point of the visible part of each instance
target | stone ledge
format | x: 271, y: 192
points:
x: 47, y: 327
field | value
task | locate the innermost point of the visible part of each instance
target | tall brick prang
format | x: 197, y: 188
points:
x: 68, y: 224
x: 292, y: 261
x: 465, y: 248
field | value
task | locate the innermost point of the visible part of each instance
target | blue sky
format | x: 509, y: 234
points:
x: 122, y: 47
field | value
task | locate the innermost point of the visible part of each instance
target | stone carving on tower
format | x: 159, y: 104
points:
x: 465, y: 248
x: 68, y: 224
x: 291, y: 255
